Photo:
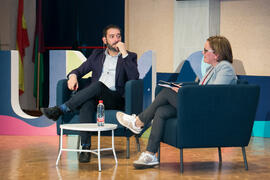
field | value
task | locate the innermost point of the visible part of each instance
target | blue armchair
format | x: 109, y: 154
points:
x: 133, y: 105
x: 212, y: 116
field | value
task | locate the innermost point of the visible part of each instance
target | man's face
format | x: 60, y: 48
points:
x: 112, y: 38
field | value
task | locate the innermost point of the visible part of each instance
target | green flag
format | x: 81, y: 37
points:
x: 38, y: 57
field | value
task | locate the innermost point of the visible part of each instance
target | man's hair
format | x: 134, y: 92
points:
x: 222, y: 47
x: 109, y: 27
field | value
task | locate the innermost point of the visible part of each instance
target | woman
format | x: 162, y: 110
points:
x: 217, y: 52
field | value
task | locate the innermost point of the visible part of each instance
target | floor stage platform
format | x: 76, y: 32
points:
x: 33, y: 157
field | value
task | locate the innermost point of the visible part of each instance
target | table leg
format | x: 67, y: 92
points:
x: 99, y: 165
x: 114, y: 154
x: 61, y: 146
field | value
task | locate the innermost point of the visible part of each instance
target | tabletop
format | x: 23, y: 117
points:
x: 89, y: 127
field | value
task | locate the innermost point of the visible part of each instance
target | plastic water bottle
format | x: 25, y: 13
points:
x: 100, y: 113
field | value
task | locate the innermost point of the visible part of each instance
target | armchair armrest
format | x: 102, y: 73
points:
x: 62, y: 92
x: 216, y: 115
x: 134, y: 96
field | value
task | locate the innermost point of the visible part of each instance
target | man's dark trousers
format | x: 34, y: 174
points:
x: 86, y: 101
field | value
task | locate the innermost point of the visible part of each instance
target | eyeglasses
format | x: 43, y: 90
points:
x: 208, y: 50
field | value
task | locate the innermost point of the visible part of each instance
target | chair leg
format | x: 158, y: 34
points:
x: 181, y: 161
x: 78, y: 144
x: 159, y: 153
x: 128, y: 148
x: 138, y: 143
x: 59, y: 137
x: 245, y: 157
x: 219, y: 155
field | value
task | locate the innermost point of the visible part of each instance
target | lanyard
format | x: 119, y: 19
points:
x: 207, y: 76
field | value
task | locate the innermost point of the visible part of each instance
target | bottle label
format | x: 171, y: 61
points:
x: 100, y: 119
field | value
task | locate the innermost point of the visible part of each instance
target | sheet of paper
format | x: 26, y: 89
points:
x: 164, y: 85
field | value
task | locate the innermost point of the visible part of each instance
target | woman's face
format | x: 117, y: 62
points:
x: 209, y: 56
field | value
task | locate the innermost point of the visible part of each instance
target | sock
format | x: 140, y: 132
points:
x: 139, y: 127
x: 136, y: 127
x: 85, y: 145
x: 138, y: 119
x: 64, y: 108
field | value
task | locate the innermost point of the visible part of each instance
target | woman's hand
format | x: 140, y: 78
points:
x: 177, y: 87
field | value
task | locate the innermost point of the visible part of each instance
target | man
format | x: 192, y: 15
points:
x: 111, y: 69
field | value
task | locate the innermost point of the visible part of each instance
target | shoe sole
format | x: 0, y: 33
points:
x: 45, y: 114
x: 119, y: 117
x: 144, y: 166
x: 85, y: 161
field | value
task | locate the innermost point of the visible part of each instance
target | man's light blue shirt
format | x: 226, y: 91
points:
x: 109, y: 70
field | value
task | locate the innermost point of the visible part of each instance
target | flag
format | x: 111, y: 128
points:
x: 21, y: 44
x: 38, y: 56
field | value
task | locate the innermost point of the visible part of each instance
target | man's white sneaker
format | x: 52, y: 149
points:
x: 128, y: 121
x: 146, y: 160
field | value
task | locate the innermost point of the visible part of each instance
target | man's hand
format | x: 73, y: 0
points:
x: 122, y: 48
x: 73, y: 82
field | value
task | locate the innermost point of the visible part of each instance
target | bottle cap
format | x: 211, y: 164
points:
x: 100, y: 101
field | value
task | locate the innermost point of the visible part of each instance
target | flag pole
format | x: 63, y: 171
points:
x: 38, y: 76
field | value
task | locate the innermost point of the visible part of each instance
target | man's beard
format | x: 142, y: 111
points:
x: 110, y: 47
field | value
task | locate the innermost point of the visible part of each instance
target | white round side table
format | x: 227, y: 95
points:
x: 88, y: 127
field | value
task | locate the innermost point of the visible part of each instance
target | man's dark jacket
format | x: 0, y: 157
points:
x: 126, y: 68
